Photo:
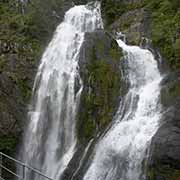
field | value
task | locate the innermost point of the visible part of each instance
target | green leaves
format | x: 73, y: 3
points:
x: 7, y: 144
x: 165, y: 27
x: 112, y: 9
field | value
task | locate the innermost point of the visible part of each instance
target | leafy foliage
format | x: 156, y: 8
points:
x: 164, y: 172
x: 7, y: 144
x: 166, y: 29
x: 112, y: 9
x: 102, y: 87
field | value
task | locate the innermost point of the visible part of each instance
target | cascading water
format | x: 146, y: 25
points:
x: 50, y: 140
x: 120, y: 153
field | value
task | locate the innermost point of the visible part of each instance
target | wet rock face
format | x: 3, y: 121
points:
x: 100, y: 73
x: 166, y: 146
x: 164, y: 160
x: 16, y: 79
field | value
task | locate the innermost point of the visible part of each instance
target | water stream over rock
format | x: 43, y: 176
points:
x: 50, y: 138
x: 120, y: 153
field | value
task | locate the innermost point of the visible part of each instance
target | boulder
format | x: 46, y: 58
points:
x: 164, y: 158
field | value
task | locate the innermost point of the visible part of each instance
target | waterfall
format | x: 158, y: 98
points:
x: 50, y: 139
x: 120, y: 153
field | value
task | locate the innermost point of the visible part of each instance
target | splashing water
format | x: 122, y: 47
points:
x: 120, y: 153
x: 50, y: 140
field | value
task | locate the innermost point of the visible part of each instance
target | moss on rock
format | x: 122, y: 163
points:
x: 165, y: 29
x: 7, y: 144
x: 165, y: 173
x: 158, y: 20
x: 101, y: 78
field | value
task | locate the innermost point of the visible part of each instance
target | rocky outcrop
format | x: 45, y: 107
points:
x: 164, y: 159
x: 154, y: 21
x: 134, y: 24
x: 99, y: 69
x: 16, y: 76
x: 134, y: 21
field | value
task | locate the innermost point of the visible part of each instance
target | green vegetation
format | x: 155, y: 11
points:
x: 24, y: 33
x: 112, y: 9
x: 17, y: 45
x: 164, y: 24
x: 177, y: 50
x: 166, y: 29
x: 42, y: 18
x: 101, y: 91
x: 169, y: 94
x: 166, y: 173
x: 7, y: 144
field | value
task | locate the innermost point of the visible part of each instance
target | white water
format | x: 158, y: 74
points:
x: 120, y: 153
x: 50, y: 139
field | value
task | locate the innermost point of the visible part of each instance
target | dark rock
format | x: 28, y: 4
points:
x: 164, y: 159
x: 99, y: 69
x: 159, y: 178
